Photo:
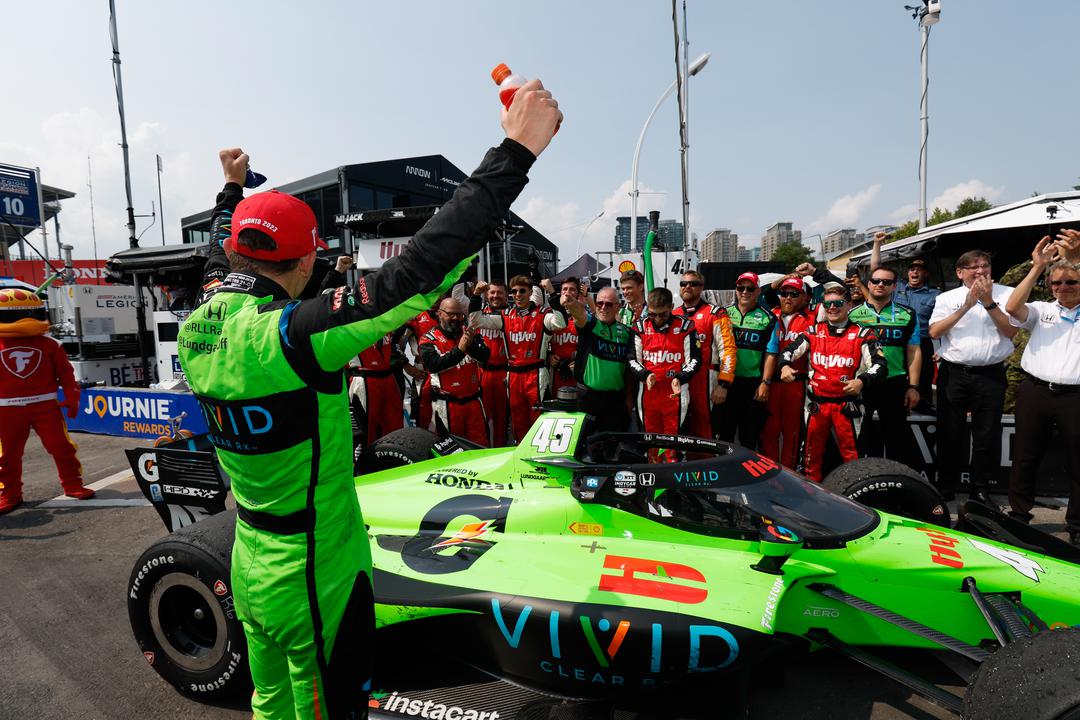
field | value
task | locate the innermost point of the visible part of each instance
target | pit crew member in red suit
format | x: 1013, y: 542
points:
x: 415, y: 330
x: 374, y: 393
x: 527, y: 328
x: 493, y: 372
x: 709, y: 386
x: 32, y: 365
x: 843, y: 358
x: 782, y: 433
x: 564, y: 342
x: 666, y: 357
x: 449, y: 353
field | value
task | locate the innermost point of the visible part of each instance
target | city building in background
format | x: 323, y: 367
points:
x: 721, y: 245
x: 670, y: 235
x: 622, y: 234
x: 776, y: 236
x: 839, y: 240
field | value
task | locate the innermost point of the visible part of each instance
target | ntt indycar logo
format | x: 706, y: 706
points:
x: 831, y: 361
x: 661, y: 356
x: 433, y: 710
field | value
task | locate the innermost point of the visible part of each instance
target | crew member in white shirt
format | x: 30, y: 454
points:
x: 976, y: 339
x: 1049, y: 396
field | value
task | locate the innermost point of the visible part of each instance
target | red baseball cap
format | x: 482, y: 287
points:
x: 288, y: 220
x: 752, y: 277
x: 794, y: 283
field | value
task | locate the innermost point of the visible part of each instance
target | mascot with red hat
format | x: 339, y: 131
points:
x: 32, y: 365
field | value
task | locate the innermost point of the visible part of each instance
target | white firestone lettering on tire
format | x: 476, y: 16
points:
x: 147, y: 566
x: 234, y: 663
x: 879, y: 485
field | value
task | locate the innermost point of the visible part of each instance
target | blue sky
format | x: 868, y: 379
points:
x: 807, y: 111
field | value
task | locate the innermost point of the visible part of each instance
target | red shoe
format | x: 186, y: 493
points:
x: 9, y: 504
x: 80, y: 494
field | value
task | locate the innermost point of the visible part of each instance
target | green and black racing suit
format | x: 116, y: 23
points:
x: 267, y: 371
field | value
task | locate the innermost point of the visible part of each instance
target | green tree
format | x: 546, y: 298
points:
x: 972, y: 205
x: 906, y: 230
x: 792, y: 253
x: 939, y: 216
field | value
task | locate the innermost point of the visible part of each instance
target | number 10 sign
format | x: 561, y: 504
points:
x: 20, y: 196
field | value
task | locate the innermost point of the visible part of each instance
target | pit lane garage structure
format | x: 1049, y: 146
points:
x: 346, y: 198
x: 1007, y: 232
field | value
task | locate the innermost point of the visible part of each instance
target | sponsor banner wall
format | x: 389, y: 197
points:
x: 35, y: 272
x: 135, y: 412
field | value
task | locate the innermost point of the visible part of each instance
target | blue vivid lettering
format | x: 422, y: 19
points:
x: 697, y: 632
x: 266, y: 416
x: 511, y: 640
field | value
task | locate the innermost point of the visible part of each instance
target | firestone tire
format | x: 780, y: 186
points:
x: 889, y: 486
x: 181, y: 610
x: 1036, y: 678
x: 402, y: 447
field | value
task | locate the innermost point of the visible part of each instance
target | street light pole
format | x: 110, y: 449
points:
x: 695, y: 68
x: 927, y: 15
x: 577, y: 254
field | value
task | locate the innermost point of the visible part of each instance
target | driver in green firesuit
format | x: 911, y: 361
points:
x: 267, y: 371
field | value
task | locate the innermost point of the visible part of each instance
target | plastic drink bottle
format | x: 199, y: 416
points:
x: 508, y: 83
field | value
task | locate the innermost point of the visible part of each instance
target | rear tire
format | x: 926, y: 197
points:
x: 1035, y: 678
x: 889, y: 486
x: 402, y: 447
x: 182, y: 614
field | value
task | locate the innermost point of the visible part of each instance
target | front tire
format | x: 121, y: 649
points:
x: 889, y: 486
x: 402, y: 447
x: 1034, y: 678
x: 182, y: 614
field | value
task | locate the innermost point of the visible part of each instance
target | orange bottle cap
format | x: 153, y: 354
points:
x: 500, y: 73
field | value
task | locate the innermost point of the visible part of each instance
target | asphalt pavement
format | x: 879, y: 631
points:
x: 67, y: 651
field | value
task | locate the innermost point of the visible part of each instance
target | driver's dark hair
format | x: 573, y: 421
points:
x: 895, y: 274
x: 633, y: 276
x: 258, y: 240
x: 660, y: 297
x: 572, y: 280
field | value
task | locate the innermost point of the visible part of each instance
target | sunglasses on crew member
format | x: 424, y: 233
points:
x: 790, y: 294
x: 519, y: 291
x: 604, y: 303
x: 882, y: 281
x: 829, y: 304
x: 690, y: 283
x: 658, y: 315
x: 1070, y: 282
x: 745, y: 289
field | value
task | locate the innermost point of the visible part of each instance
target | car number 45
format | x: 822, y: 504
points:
x: 554, y: 434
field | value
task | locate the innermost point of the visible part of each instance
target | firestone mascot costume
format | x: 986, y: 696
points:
x: 31, y: 367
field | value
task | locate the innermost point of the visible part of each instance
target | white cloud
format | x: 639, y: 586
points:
x: 61, y: 149
x: 949, y: 199
x: 564, y: 223
x: 845, y: 212
x: 952, y: 196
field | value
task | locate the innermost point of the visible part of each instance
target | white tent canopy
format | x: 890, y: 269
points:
x: 1033, y: 216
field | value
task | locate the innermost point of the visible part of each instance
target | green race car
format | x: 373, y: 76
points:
x: 572, y: 565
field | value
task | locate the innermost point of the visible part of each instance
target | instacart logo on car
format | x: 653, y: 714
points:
x: 434, y: 710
